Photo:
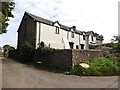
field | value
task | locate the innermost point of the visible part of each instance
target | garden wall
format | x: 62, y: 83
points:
x: 13, y: 54
x: 65, y: 59
x: 83, y: 55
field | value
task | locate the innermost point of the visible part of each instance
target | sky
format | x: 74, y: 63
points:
x: 100, y: 16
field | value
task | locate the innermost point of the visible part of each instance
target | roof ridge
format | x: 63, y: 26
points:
x: 49, y: 22
x: 33, y: 15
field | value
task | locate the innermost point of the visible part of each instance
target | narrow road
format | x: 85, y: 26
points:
x: 0, y: 73
x: 17, y: 75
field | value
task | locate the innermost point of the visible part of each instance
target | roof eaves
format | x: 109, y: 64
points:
x: 36, y: 18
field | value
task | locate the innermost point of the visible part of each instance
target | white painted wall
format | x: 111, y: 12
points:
x: 75, y: 39
x: 78, y: 39
x: 58, y: 41
x: 48, y: 36
x: 90, y: 39
x: 81, y: 40
x: 37, y: 34
x: 94, y: 39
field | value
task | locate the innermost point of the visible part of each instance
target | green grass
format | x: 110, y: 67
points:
x: 100, y: 66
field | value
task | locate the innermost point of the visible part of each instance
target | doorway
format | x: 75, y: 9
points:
x: 71, y: 45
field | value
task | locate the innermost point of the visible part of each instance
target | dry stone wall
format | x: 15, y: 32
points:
x: 65, y: 59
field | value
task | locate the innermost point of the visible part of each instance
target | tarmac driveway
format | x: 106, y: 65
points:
x: 17, y: 75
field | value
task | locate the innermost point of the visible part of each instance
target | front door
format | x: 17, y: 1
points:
x: 71, y: 45
x: 82, y: 46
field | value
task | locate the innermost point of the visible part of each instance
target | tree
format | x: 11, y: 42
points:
x: 6, y: 12
x: 6, y: 47
x: 116, y: 38
x: 11, y: 48
x: 99, y: 37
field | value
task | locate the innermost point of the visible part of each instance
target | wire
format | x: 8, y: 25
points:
x: 27, y: 8
x: 17, y: 12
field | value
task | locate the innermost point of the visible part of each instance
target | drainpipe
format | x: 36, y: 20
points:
x: 79, y: 42
x: 39, y: 33
x: 87, y: 42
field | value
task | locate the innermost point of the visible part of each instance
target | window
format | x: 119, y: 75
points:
x: 83, y: 37
x: 57, y: 30
x: 72, y: 34
x: 77, y: 47
x: 71, y: 45
x: 82, y: 46
x: 92, y: 38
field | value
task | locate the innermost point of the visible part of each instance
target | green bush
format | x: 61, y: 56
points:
x: 102, y: 66
x: 45, y: 51
x: 76, y: 70
x: 27, y: 52
x: 109, y: 64
x: 6, y: 49
x: 42, y: 56
x: 92, y: 47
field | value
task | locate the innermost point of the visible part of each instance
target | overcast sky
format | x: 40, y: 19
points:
x: 100, y: 16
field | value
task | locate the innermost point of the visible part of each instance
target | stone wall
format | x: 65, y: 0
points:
x: 83, y: 55
x: 65, y: 59
x: 59, y: 59
x: 12, y: 54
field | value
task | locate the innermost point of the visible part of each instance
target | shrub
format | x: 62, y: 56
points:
x: 27, y: 52
x: 76, y: 70
x: 6, y: 49
x: 102, y: 66
x: 45, y: 51
x: 92, y: 47
x: 42, y: 55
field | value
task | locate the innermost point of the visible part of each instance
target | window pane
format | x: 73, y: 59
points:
x: 72, y: 34
x: 57, y: 30
x: 83, y: 37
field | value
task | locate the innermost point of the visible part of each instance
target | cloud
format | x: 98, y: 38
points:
x: 97, y: 15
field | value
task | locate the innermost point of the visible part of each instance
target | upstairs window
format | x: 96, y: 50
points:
x: 72, y: 34
x: 57, y: 30
x: 83, y: 37
x: 92, y: 38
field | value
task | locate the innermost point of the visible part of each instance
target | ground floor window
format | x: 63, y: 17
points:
x: 82, y: 46
x: 77, y: 47
x: 71, y: 45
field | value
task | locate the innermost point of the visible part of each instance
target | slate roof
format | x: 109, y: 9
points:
x: 89, y: 32
x: 79, y: 32
x: 49, y: 22
x: 40, y: 19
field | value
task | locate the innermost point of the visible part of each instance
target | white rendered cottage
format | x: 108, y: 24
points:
x: 35, y: 30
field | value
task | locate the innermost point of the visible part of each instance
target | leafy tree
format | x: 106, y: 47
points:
x: 5, y: 13
x: 6, y: 47
x: 11, y: 48
x: 116, y: 38
x: 27, y: 52
x: 99, y: 37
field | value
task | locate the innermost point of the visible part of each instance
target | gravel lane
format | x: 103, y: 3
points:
x: 17, y: 75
